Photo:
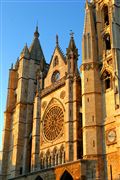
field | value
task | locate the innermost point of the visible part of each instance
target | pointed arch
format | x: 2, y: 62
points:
x: 55, y: 101
x: 48, y: 158
x: 55, y: 156
x: 106, y: 69
x: 55, y: 61
x: 42, y: 160
x: 107, y: 76
x: 66, y: 175
x: 38, y: 178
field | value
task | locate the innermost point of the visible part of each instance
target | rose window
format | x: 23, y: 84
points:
x: 53, y: 123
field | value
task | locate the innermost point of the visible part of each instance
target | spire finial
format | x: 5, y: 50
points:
x: 71, y: 33
x: 37, y: 27
x: 36, y: 33
x: 12, y: 66
x: 56, y: 39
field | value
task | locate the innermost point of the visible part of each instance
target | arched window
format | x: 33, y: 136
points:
x: 107, y: 80
x: 55, y: 156
x: 38, y: 178
x: 56, y: 61
x: 62, y: 155
x: 105, y: 15
x: 48, y: 159
x: 66, y: 176
x: 42, y: 161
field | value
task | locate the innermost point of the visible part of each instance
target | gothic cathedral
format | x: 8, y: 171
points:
x: 60, y: 125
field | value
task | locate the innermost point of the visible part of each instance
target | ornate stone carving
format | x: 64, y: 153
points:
x: 89, y: 66
x: 106, y: 68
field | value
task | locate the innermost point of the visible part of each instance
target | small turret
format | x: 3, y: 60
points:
x: 72, y: 56
x: 25, y: 52
x: 72, y: 50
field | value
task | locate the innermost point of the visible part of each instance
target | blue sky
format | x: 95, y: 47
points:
x: 18, y: 20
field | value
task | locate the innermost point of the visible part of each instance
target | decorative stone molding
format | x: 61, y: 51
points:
x: 89, y: 66
x: 108, y: 68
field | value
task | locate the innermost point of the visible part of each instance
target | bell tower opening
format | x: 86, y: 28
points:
x: 105, y: 15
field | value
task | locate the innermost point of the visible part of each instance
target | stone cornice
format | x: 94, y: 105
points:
x: 89, y: 66
x: 94, y: 92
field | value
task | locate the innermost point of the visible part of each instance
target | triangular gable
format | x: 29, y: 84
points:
x: 61, y: 66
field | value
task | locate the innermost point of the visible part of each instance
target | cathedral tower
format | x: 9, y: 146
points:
x: 100, y: 85
x: 22, y: 88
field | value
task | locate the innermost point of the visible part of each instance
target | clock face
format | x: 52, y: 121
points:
x: 111, y: 136
x: 53, y: 123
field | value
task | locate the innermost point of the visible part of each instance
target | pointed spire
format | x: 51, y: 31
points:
x: 17, y: 63
x: 35, y: 49
x: 72, y: 47
x: 36, y: 33
x: 25, y: 52
x: 11, y: 66
x: 89, y: 33
x: 57, y: 40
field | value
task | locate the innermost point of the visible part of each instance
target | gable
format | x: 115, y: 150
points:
x: 57, y: 65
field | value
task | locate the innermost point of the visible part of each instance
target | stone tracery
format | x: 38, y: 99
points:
x: 53, y: 123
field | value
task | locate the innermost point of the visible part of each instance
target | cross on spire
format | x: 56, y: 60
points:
x: 71, y: 33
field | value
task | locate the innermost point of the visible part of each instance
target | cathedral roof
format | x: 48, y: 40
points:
x: 35, y: 49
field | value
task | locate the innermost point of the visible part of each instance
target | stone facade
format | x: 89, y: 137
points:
x: 61, y: 126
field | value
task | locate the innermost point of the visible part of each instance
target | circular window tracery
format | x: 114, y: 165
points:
x: 55, y: 76
x: 53, y: 123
